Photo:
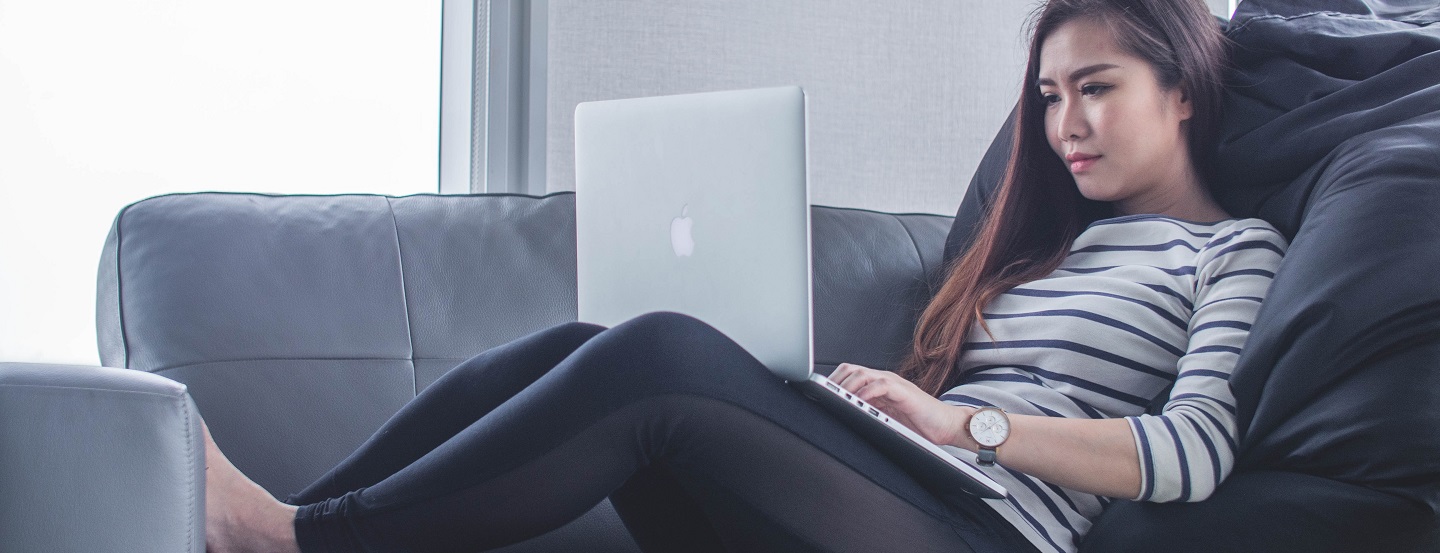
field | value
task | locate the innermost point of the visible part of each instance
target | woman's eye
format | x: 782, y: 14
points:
x: 1093, y: 89
x: 1049, y: 99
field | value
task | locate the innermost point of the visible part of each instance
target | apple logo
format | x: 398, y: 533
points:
x: 680, y: 238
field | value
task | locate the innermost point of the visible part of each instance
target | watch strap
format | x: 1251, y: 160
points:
x: 985, y: 457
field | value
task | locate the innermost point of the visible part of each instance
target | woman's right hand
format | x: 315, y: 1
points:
x: 903, y: 401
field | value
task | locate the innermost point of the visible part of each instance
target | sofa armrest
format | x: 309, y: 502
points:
x: 98, y: 459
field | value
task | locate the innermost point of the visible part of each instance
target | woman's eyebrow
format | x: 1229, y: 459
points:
x: 1080, y: 73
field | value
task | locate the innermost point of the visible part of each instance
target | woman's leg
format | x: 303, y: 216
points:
x: 662, y: 516
x: 660, y: 397
x: 748, y: 484
x: 454, y: 401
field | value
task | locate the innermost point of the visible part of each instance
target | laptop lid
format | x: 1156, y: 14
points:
x: 699, y: 204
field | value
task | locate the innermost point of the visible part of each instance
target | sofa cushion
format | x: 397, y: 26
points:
x: 220, y: 277
x: 1268, y: 511
x: 481, y: 271
x: 871, y: 279
x: 300, y: 323
x: 1342, y: 378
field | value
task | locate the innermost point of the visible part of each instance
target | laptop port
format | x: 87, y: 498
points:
x: 873, y: 411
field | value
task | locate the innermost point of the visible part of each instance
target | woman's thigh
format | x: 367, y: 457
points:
x: 745, y: 483
x: 669, y: 353
x: 751, y: 440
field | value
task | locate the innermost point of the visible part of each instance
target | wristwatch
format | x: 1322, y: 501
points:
x: 989, y: 427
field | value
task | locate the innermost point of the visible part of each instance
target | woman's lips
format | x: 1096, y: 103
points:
x: 1080, y: 163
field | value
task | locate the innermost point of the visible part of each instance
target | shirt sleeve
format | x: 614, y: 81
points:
x: 1187, y: 450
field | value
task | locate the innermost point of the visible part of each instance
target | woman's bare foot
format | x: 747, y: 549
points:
x: 240, y: 516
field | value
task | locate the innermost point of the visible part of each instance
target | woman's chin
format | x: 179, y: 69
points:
x: 1093, y: 192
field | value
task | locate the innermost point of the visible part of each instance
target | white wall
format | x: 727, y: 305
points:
x: 903, y: 98
x: 105, y: 102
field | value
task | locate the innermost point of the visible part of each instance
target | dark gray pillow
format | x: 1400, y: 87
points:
x: 982, y: 188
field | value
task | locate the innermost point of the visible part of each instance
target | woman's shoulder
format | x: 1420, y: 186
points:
x: 1206, y: 233
x: 1241, y: 247
x: 1248, y: 230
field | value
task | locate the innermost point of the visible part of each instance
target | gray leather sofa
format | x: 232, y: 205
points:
x: 299, y: 323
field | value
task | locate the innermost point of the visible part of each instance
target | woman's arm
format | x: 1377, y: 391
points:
x: 1086, y: 455
x: 1095, y: 456
x: 1184, y: 453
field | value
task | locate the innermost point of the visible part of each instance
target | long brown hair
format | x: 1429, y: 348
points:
x: 1037, y: 212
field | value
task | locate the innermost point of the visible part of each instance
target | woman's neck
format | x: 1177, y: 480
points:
x: 1188, y: 199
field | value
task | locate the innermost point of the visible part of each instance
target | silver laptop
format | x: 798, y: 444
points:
x: 699, y: 204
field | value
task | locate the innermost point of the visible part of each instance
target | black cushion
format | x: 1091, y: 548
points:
x: 1272, y: 512
x: 1332, y: 133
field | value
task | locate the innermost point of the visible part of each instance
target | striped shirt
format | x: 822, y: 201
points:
x: 1140, y: 302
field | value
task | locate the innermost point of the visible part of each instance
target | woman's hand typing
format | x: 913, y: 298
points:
x: 931, y: 418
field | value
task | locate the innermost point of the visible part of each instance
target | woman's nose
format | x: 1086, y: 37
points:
x: 1070, y: 123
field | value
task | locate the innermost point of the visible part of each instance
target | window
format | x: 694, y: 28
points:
x: 493, y: 98
x: 107, y: 102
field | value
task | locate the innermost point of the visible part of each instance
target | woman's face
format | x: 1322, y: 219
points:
x: 1106, y: 116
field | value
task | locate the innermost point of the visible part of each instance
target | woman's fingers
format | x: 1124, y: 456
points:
x: 899, y: 399
x: 842, y: 373
x: 883, y: 389
x: 872, y: 386
x: 852, y: 377
x: 873, y: 390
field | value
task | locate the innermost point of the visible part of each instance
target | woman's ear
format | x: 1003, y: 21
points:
x: 1182, y: 104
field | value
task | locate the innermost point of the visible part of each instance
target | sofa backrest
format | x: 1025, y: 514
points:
x: 300, y: 323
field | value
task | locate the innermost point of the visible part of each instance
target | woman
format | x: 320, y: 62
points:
x: 1084, y: 321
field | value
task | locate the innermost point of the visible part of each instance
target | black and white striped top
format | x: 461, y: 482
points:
x: 1141, y: 301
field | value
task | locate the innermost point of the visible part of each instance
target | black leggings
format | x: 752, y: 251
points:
x: 698, y: 445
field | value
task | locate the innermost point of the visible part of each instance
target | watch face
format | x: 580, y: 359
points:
x: 989, y: 427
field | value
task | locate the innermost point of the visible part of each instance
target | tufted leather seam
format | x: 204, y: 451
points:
x: 432, y: 194
x: 404, y: 297
x: 255, y: 359
x: 861, y: 209
x: 920, y: 259
x: 189, y: 473
x: 87, y: 389
x: 120, y: 285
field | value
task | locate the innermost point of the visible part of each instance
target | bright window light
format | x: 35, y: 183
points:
x: 106, y: 102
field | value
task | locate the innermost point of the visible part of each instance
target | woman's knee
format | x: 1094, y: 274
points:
x: 674, y: 343
x: 576, y: 331
x: 664, y: 331
x: 664, y: 324
x: 540, y: 349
